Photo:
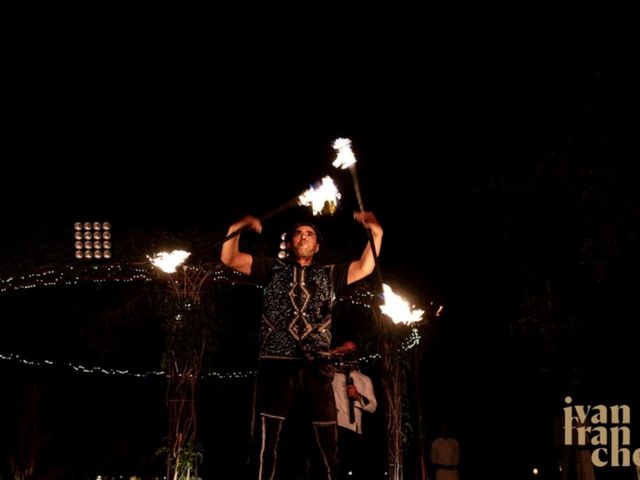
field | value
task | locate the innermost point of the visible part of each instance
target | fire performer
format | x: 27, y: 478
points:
x: 295, y: 334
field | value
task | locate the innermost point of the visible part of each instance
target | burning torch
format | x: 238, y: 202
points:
x: 322, y: 198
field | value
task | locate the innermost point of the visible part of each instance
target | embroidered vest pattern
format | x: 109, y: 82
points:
x: 296, y: 320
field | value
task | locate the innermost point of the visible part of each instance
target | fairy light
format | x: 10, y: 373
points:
x: 124, y: 372
x: 99, y: 273
x: 125, y: 273
x: 216, y: 374
x: 412, y: 340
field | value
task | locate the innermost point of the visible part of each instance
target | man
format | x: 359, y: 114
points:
x: 445, y: 455
x: 353, y: 391
x: 295, y: 334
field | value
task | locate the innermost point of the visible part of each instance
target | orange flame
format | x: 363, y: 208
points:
x: 322, y: 198
x: 398, y: 309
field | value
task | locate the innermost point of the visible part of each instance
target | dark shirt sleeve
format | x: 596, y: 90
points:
x: 340, y: 272
x: 261, y: 269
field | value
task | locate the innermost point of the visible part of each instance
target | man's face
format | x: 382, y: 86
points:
x: 304, y: 242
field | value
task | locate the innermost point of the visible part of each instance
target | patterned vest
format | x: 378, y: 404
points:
x: 296, y: 319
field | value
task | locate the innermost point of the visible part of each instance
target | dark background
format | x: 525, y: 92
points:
x: 497, y: 147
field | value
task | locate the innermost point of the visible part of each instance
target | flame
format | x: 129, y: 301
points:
x: 323, y: 197
x: 345, y: 157
x: 398, y: 309
x: 168, y: 262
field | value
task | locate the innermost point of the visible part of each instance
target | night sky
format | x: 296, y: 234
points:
x: 500, y: 158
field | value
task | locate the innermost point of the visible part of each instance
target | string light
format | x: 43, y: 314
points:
x: 73, y: 275
x: 220, y: 375
x: 412, y: 340
x: 215, y: 374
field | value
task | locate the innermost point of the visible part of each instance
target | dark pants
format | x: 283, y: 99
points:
x: 307, y: 385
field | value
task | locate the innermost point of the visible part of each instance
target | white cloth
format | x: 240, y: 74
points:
x: 365, y: 388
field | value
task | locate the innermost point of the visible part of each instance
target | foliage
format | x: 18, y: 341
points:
x: 185, y: 461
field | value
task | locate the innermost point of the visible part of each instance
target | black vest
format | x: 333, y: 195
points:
x: 296, y: 320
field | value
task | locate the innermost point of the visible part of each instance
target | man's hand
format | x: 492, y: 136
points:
x: 249, y: 222
x: 352, y: 392
x: 367, y: 219
x: 362, y: 267
x: 346, y: 347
